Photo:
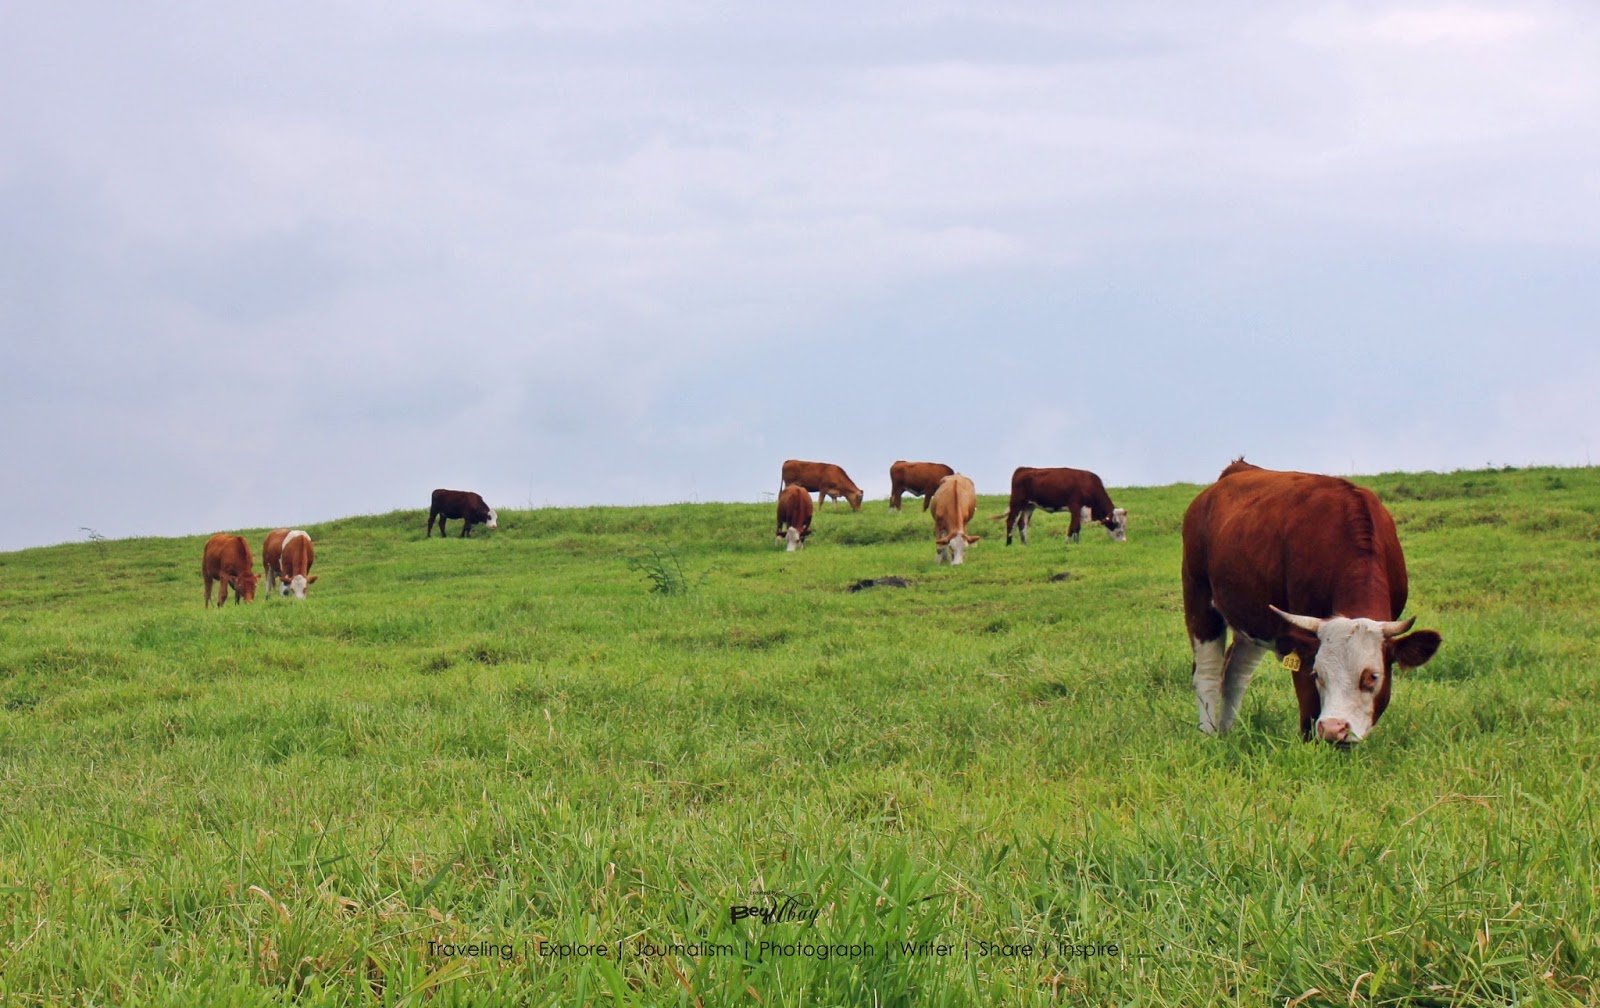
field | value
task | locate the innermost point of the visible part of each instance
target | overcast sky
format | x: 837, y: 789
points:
x: 276, y: 264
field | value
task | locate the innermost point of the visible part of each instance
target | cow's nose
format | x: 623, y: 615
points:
x: 1333, y: 730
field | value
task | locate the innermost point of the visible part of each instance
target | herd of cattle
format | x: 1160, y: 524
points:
x: 1308, y: 567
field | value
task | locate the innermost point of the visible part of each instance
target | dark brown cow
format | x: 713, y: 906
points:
x: 919, y: 478
x: 823, y: 479
x: 955, y: 501
x: 287, y: 557
x: 1078, y: 491
x: 1309, y: 567
x: 227, y: 559
x: 794, y: 514
x: 462, y: 504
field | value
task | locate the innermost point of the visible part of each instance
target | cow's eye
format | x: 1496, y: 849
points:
x: 1369, y: 680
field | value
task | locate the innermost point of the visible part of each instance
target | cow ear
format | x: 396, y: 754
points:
x: 972, y: 539
x: 311, y: 580
x: 1415, y: 649
x: 942, y: 542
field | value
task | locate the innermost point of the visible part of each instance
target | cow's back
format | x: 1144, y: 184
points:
x: 1303, y: 542
x: 227, y: 554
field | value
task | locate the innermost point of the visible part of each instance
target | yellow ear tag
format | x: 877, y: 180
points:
x: 1291, y: 661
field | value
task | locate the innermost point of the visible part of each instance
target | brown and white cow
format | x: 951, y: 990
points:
x: 227, y: 559
x: 1308, y: 567
x: 462, y: 504
x: 953, y: 504
x: 794, y: 515
x: 1074, y: 490
x: 287, y: 556
x: 823, y: 479
x: 919, y: 478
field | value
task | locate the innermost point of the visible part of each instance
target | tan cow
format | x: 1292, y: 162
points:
x: 953, y: 505
x: 227, y: 559
x: 287, y: 556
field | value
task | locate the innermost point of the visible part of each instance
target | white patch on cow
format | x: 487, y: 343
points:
x: 1118, y: 529
x: 795, y: 540
x: 955, y: 550
x: 1243, y: 657
x: 295, y: 586
x: 1346, y: 648
x: 494, y: 522
x: 291, y: 537
x: 1209, y: 659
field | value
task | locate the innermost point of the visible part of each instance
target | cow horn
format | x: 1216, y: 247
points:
x: 1307, y: 623
x: 1395, y: 628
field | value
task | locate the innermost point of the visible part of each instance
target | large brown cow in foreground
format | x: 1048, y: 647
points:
x: 1074, y: 490
x: 953, y: 505
x: 919, y: 478
x: 794, y: 515
x: 287, y: 557
x: 1309, y: 567
x: 227, y: 559
x: 462, y: 504
x: 823, y: 479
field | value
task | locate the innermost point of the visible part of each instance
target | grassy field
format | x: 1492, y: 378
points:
x: 512, y: 741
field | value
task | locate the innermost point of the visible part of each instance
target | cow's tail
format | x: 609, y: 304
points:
x: 999, y: 516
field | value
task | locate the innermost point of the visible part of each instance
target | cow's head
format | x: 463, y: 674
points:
x: 1116, y: 524
x: 954, y: 547
x: 244, y: 586
x: 854, y: 497
x: 796, y: 538
x: 1353, y: 665
x: 493, y: 521
x: 295, y: 586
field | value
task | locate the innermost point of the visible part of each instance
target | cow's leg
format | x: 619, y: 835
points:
x: 208, y: 589
x: 1023, y: 521
x: 1076, y: 526
x: 927, y: 498
x: 466, y: 527
x: 895, y: 493
x: 431, y: 516
x: 1243, y: 657
x: 1210, y: 657
x: 1305, y: 691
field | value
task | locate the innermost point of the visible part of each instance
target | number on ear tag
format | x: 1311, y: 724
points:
x: 1291, y: 661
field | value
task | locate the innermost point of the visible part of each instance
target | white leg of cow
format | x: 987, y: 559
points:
x: 1209, y: 659
x: 1243, y: 657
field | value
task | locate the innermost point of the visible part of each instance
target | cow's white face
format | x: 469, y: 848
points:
x: 1118, y: 529
x: 1350, y: 672
x: 794, y: 539
x: 493, y: 522
x: 955, y: 548
x: 295, y: 586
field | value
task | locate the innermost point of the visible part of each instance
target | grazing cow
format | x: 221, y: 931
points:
x: 919, y: 478
x: 227, y: 559
x: 463, y: 504
x: 1076, y: 490
x: 823, y: 479
x: 287, y: 557
x: 953, y: 504
x: 1309, y: 567
x: 794, y: 514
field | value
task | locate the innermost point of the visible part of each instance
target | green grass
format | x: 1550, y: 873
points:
x: 512, y: 737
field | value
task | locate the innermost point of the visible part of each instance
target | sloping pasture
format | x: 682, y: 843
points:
x: 454, y: 751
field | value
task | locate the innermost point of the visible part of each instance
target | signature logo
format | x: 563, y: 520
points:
x: 776, y: 908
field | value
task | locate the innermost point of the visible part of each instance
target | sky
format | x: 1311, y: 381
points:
x: 274, y: 265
